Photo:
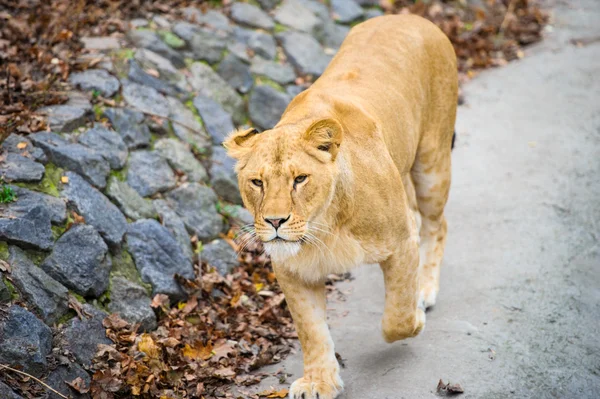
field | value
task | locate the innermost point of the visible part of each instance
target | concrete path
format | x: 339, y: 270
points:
x: 518, y: 314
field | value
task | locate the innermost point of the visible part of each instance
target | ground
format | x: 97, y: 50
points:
x: 518, y: 311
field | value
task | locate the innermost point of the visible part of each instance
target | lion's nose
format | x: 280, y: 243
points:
x: 276, y: 222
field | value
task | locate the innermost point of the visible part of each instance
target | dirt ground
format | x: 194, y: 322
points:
x: 518, y: 314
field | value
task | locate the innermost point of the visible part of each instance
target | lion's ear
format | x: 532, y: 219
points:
x: 325, y: 135
x: 239, y: 142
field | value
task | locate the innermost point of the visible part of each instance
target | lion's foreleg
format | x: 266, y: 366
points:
x: 402, y: 318
x: 321, y: 369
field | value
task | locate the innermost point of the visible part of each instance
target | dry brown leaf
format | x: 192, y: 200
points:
x: 198, y: 351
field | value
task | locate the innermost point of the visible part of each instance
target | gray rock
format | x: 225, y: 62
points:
x: 196, y: 205
x: 346, y: 11
x: 247, y: 14
x: 161, y: 22
x: 280, y: 73
x: 138, y: 75
x: 334, y: 34
x: 80, y: 261
x: 132, y: 303
x: 373, y: 13
x: 238, y: 215
x: 167, y: 72
x: 12, y: 142
x: 27, y: 225
x: 240, y: 50
x: 48, y: 297
x: 304, y: 52
x: 148, y: 173
x: 221, y: 256
x: 208, y: 45
x: 185, y: 30
x: 62, y: 374
x: 129, y: 124
x: 150, y: 40
x: 169, y: 218
x: 266, y: 105
x: 107, y: 143
x: 81, y: 100
x: 158, y: 257
x: 236, y: 73
x: 97, y: 210
x: 76, y: 157
x: 294, y: 90
x: 26, y: 341
x: 318, y: 8
x: 217, y: 121
x: 95, y: 79
x: 268, y: 5
x: 5, y: 294
x: 297, y: 16
x: 65, y: 118
x: 145, y: 99
x: 14, y: 167
x: 262, y: 44
x: 7, y: 393
x: 82, y: 337
x: 186, y: 126
x: 208, y: 83
x: 178, y: 155
x: 210, y: 19
x: 55, y: 207
x: 128, y: 200
x: 101, y: 43
x: 223, y: 178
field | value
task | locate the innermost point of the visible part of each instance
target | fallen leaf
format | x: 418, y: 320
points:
x: 64, y: 179
x: 78, y: 384
x: 199, y: 351
x: 148, y: 346
x: 5, y: 267
x: 21, y: 145
x: 449, y: 389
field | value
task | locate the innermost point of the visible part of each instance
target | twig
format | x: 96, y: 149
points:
x: 3, y: 366
x: 510, y: 10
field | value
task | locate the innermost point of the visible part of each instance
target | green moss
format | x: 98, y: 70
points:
x: 280, y: 28
x: 64, y: 319
x: 37, y: 257
x: 58, y: 231
x: 188, y: 62
x: 79, y: 298
x: 120, y: 174
x: 124, y: 266
x: 98, y: 112
x: 7, y: 194
x: 49, y: 183
x: 190, y: 105
x: 171, y: 39
x: 266, y: 81
x: 14, y: 294
x: 124, y: 54
x: 3, y: 251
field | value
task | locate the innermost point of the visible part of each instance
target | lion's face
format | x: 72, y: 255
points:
x: 286, y: 179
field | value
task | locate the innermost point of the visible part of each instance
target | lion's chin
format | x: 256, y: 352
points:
x: 280, y: 250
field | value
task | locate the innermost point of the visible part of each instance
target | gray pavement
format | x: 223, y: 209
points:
x: 521, y: 274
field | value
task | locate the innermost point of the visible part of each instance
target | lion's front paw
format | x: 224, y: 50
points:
x: 305, y: 388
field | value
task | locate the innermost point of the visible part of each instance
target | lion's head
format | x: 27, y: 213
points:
x: 287, y: 178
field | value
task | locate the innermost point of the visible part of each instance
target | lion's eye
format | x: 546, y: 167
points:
x: 299, y: 179
x: 257, y: 182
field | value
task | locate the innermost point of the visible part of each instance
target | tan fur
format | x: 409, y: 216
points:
x: 373, y: 137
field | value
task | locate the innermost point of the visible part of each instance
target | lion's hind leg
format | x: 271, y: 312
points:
x: 431, y: 177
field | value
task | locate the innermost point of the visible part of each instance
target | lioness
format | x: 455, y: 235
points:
x: 357, y: 171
